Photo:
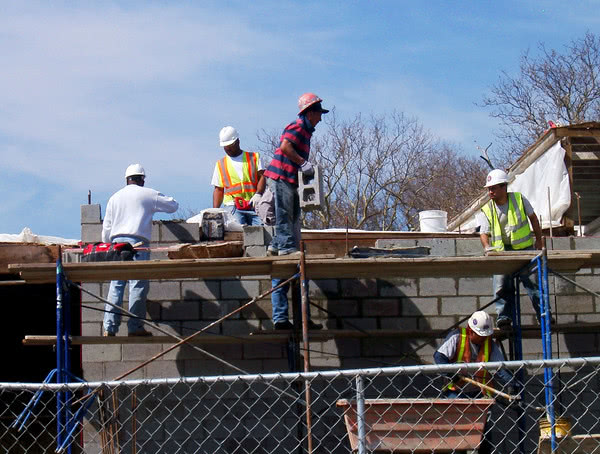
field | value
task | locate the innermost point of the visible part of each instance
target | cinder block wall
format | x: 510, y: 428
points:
x: 183, y: 306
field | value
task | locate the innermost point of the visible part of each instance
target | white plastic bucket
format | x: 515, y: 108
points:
x: 433, y: 220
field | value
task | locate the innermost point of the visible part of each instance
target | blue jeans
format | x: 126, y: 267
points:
x: 279, y: 301
x: 244, y: 217
x: 287, y: 216
x: 138, y: 291
x: 504, y: 289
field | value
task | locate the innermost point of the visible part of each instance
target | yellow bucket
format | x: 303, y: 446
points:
x: 562, y: 426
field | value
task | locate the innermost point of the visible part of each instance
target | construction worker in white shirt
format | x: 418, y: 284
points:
x: 128, y: 219
x: 504, y: 226
x: 238, y: 179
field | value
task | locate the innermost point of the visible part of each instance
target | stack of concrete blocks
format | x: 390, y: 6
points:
x: 310, y: 191
x: 256, y: 239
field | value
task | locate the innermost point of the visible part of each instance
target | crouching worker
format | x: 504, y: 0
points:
x: 473, y: 344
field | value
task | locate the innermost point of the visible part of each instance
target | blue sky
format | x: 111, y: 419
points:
x: 90, y: 87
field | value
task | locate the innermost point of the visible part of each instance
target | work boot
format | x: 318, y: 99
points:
x: 283, y: 325
x: 107, y: 334
x: 504, y: 323
x: 314, y: 326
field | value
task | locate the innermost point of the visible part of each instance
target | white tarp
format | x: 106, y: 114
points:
x: 548, y: 171
x: 27, y: 236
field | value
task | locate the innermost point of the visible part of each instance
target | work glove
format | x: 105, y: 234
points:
x: 307, y: 169
x: 255, y: 199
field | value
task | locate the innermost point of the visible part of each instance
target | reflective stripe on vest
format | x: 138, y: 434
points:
x: 518, y: 223
x: 464, y: 356
x: 233, y: 185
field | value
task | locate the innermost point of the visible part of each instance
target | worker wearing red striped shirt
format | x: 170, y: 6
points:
x: 282, y: 174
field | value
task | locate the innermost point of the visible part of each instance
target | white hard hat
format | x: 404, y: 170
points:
x: 135, y: 169
x: 481, y: 323
x: 495, y: 177
x: 228, y: 135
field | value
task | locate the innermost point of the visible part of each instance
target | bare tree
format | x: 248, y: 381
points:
x: 381, y: 171
x: 559, y: 87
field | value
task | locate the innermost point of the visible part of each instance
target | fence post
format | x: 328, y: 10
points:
x: 360, y: 415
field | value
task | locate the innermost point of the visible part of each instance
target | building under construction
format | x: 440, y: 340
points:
x: 237, y: 385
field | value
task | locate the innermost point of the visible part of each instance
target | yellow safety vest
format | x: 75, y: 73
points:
x: 235, y: 186
x: 520, y: 232
x: 463, y: 355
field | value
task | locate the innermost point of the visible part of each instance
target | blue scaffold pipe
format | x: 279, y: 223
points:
x: 59, y: 353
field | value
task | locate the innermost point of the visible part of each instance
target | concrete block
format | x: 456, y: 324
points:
x: 140, y: 352
x: 155, y: 235
x: 180, y: 310
x: 90, y: 214
x: 586, y: 242
x: 398, y: 287
x: 93, y: 371
x: 323, y: 288
x: 399, y: 323
x: 214, y: 310
x: 389, y: 243
x: 159, y: 255
x: 329, y: 362
x: 179, y: 232
x: 164, y: 369
x: 458, y: 305
x: 437, y: 286
x: 91, y: 233
x: 373, y: 347
x: 560, y: 243
x: 236, y: 327
x: 475, y: 286
x: 164, y: 291
x: 92, y: 313
x: 240, y: 288
x: 358, y: 287
x: 584, y: 344
x: 255, y: 251
x: 200, y: 290
x: 589, y: 282
x: 429, y: 323
x: 576, y: 304
x: 101, y: 352
x: 466, y: 247
x: 445, y: 247
x: 310, y: 192
x: 260, y: 310
x: 91, y: 328
x: 419, y: 306
x: 263, y: 351
x: 380, y: 307
x: 229, y: 351
x: 91, y: 287
x: 564, y: 287
x: 363, y: 323
x: 256, y: 235
x: 342, y: 308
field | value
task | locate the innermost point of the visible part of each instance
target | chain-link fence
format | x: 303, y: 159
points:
x: 399, y: 409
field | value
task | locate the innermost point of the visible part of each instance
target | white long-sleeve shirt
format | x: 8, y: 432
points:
x: 130, y: 210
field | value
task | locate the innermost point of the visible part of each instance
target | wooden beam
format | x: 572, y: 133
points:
x: 271, y: 336
x: 317, y: 268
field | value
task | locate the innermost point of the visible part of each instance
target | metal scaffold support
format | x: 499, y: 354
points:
x: 66, y: 420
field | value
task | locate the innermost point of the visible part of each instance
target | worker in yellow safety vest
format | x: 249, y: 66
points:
x: 504, y: 225
x: 238, y: 179
x: 471, y: 344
